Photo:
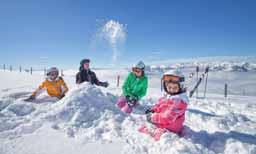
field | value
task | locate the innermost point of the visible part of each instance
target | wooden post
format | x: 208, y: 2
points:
x: 10, y: 68
x: 118, y: 80
x: 206, y: 79
x: 31, y: 70
x: 20, y: 68
x: 197, y: 75
x: 226, y: 90
x: 4, y: 67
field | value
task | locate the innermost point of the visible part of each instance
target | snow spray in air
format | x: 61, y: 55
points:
x: 114, y: 33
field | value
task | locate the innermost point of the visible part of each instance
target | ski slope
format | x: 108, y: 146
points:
x: 87, y: 120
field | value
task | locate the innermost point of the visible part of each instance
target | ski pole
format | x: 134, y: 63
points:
x: 195, y: 88
x: 198, y: 82
x: 191, y: 75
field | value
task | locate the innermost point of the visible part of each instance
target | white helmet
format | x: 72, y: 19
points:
x: 52, y: 69
x: 139, y: 65
x: 174, y: 76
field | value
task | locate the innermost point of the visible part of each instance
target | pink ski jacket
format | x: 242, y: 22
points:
x: 169, y: 112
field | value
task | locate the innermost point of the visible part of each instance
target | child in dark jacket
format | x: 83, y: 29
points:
x: 86, y: 75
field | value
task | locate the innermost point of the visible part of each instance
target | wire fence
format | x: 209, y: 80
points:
x: 227, y: 85
x: 30, y: 70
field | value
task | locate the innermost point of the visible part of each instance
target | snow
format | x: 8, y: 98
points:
x: 87, y: 120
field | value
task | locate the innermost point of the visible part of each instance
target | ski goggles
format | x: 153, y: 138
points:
x: 136, y: 70
x: 171, y: 78
x: 53, y: 74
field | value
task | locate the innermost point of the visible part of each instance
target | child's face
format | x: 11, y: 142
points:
x: 86, y: 66
x: 53, y: 75
x: 172, y: 88
x: 137, y: 72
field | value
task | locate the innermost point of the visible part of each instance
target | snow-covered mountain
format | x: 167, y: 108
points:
x: 235, y: 64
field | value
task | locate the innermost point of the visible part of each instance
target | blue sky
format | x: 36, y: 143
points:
x: 60, y: 33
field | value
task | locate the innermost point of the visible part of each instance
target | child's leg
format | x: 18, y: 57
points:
x: 121, y: 102
x: 128, y: 108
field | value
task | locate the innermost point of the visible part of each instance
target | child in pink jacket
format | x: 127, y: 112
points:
x: 169, y: 112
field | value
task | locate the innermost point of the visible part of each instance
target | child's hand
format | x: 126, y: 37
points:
x: 105, y: 84
x: 31, y: 98
x: 149, y: 111
x: 61, y: 96
x: 148, y: 116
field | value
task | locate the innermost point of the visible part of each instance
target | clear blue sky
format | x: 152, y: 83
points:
x: 49, y: 32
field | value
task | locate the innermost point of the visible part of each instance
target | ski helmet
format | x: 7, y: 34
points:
x: 84, y: 61
x: 139, y: 65
x: 174, y: 76
x: 52, y: 69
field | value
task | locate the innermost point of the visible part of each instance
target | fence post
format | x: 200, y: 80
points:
x: 31, y: 70
x: 226, y: 90
x: 197, y: 72
x: 20, y: 68
x: 118, y: 80
x: 206, y: 79
x: 4, y: 67
x: 10, y: 68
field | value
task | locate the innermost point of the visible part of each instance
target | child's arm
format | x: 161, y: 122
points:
x: 78, y: 78
x: 156, y: 107
x: 126, y: 86
x: 170, y: 114
x: 144, y: 88
x: 64, y: 86
x: 39, y: 90
x: 36, y: 92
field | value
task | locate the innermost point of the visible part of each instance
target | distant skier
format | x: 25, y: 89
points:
x: 134, y: 88
x: 53, y: 84
x: 169, y: 112
x: 86, y: 75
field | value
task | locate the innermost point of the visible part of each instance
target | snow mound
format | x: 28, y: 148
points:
x: 87, y: 110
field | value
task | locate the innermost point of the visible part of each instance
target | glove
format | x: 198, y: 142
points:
x: 127, y: 97
x: 132, y: 101
x: 134, y: 98
x: 148, y: 116
x: 31, y: 98
x: 149, y: 111
x: 105, y: 84
x: 61, y: 96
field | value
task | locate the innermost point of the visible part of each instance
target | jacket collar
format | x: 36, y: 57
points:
x: 48, y: 79
x: 183, y: 96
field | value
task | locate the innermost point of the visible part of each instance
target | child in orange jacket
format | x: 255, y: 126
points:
x: 53, y: 84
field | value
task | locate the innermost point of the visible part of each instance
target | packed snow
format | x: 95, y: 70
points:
x: 87, y: 120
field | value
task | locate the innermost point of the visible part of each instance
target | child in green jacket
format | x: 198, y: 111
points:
x: 134, y: 88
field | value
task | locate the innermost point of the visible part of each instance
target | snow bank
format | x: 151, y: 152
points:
x: 88, y: 111
x: 87, y: 117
